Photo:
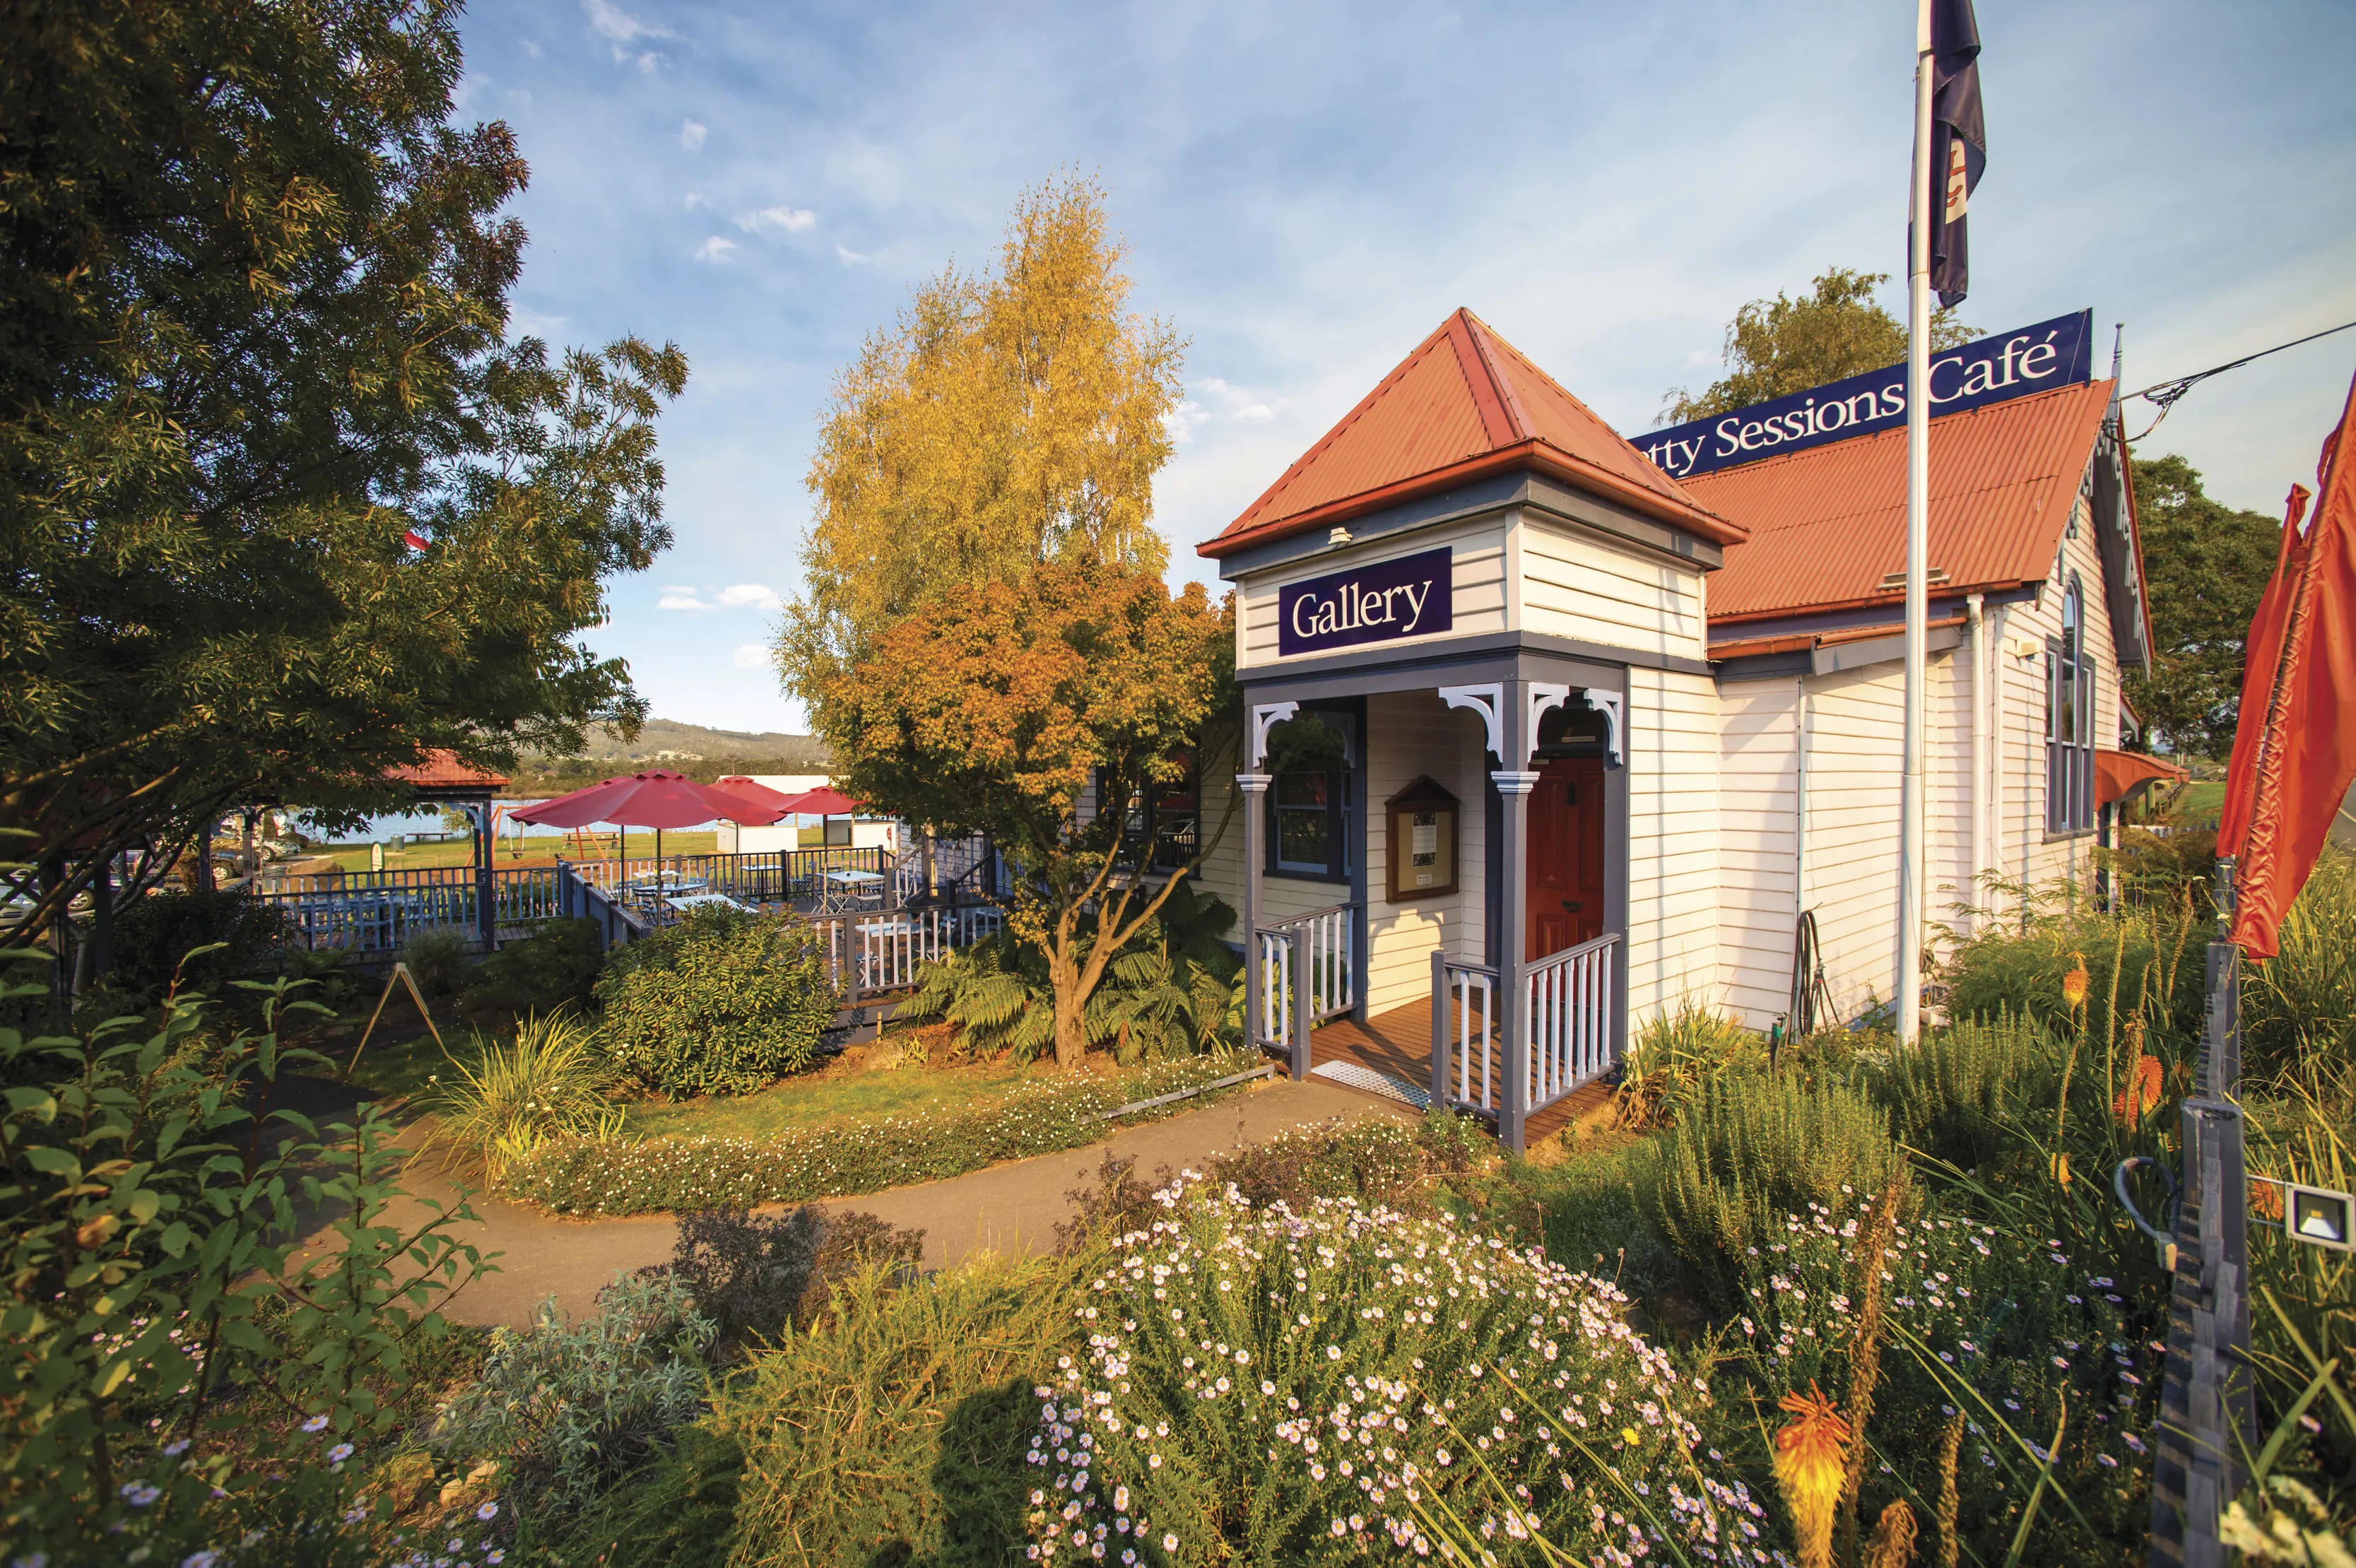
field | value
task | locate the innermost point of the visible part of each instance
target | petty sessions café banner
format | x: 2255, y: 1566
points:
x: 2057, y: 353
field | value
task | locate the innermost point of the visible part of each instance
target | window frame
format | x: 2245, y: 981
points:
x: 1339, y: 821
x: 2069, y: 720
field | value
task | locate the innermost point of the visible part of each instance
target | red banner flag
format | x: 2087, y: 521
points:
x: 2295, y: 747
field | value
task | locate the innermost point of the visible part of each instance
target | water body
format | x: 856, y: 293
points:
x: 390, y: 824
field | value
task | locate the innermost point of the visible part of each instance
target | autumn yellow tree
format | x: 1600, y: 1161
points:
x: 1015, y: 709
x: 1002, y: 422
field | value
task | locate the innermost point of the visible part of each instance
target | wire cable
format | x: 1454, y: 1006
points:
x: 2168, y: 394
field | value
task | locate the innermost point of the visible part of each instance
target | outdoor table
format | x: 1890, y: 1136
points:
x: 857, y: 887
x: 704, y: 900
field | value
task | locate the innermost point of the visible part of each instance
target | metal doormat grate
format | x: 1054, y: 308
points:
x: 1356, y: 1077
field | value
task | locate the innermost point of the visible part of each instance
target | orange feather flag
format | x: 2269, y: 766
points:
x: 2295, y: 746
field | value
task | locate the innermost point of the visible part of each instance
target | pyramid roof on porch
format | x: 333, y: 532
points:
x: 1464, y: 405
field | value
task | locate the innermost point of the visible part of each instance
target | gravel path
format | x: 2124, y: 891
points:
x: 1005, y: 1208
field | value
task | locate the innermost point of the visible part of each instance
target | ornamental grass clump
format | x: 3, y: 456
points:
x: 1321, y: 1384
x: 550, y: 1082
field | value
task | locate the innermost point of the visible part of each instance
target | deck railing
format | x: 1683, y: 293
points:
x: 1309, y: 973
x: 884, y: 952
x: 1467, y: 1070
x: 1570, y: 1003
x: 777, y: 876
x: 377, y: 911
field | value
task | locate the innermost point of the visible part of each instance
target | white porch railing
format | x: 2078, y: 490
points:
x: 1311, y: 959
x: 1467, y: 1071
x: 1568, y: 1001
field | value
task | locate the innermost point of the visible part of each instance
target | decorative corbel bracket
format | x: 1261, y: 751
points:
x: 1488, y: 701
x: 1266, y: 716
x: 1515, y: 783
x: 1613, y: 706
x: 1544, y: 697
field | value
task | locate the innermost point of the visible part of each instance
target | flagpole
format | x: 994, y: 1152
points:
x: 1918, y: 515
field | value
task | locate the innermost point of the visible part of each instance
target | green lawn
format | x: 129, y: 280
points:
x: 843, y: 1091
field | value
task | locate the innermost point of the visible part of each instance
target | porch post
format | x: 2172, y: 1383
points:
x: 1513, y: 783
x: 1255, y: 788
x: 486, y: 919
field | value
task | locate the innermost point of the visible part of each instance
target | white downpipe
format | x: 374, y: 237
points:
x: 1800, y: 797
x: 1997, y: 681
x: 1918, y: 515
x: 1976, y: 630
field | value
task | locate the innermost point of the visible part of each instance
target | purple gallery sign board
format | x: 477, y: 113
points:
x: 1410, y: 597
x: 2057, y: 353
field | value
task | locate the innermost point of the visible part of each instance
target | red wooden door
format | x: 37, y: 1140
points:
x: 1566, y: 856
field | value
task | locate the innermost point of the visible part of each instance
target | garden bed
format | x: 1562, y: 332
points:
x: 798, y: 1160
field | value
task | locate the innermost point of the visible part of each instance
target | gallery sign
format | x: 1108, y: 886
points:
x: 1410, y: 597
x: 2057, y: 353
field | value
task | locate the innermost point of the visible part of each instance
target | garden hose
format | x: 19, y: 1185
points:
x: 1812, y: 998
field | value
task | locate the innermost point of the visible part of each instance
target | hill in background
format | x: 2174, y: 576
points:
x: 701, y: 752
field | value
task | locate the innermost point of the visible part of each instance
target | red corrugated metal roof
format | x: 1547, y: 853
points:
x: 443, y: 770
x: 1807, y: 642
x: 1829, y: 525
x: 1466, y: 404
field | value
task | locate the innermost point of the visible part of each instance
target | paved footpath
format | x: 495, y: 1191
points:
x: 1005, y: 1208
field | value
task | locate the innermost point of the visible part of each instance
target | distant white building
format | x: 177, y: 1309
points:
x: 863, y: 833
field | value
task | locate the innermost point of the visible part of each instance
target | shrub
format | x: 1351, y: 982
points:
x: 153, y: 936
x: 1750, y: 1149
x: 895, y: 1434
x: 570, y: 1409
x: 550, y: 1082
x: 2299, y: 1006
x: 719, y: 1004
x: 1171, y: 991
x: 173, y: 1373
x: 580, y: 1175
x: 2144, y: 965
x: 1954, y: 1094
x: 436, y: 957
x: 2003, y: 1326
x: 1376, y: 1159
x: 753, y: 1276
x: 1281, y: 1386
x: 554, y: 968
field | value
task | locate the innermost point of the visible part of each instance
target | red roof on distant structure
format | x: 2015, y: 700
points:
x: 1464, y: 405
x: 440, y: 770
x: 1829, y: 525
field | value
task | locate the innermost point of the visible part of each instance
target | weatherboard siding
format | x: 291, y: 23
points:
x: 1672, y: 751
x: 1412, y: 735
x: 1576, y: 585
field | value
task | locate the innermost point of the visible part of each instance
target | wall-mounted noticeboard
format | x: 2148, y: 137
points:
x: 1423, y: 839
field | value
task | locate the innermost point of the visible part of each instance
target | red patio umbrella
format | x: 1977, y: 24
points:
x: 658, y: 799
x: 823, y: 801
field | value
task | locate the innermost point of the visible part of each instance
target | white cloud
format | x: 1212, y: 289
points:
x: 694, y: 199
x: 1241, y: 403
x: 528, y: 46
x: 738, y: 594
x: 752, y: 655
x: 612, y: 21
x: 848, y: 257
x: 1186, y: 419
x: 792, y: 219
x: 680, y: 601
x: 715, y: 248
x: 690, y: 134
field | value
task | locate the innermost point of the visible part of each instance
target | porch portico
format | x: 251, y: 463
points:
x: 1521, y: 939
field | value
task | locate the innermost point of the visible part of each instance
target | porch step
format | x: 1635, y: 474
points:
x: 1351, y: 1075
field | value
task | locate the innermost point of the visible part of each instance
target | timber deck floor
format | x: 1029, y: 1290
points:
x: 1398, y: 1042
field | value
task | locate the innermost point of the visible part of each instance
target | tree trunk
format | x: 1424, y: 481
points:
x: 1071, y: 1008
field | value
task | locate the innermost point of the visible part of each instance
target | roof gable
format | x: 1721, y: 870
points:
x: 1464, y: 403
x: 1827, y: 525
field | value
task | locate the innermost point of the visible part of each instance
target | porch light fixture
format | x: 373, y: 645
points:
x: 1337, y: 536
x: 1422, y: 857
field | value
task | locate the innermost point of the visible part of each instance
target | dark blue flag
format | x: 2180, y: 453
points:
x: 1958, y: 142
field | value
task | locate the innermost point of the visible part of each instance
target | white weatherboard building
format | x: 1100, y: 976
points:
x: 1540, y: 742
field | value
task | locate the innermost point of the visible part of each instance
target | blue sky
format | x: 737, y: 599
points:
x: 1308, y: 188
